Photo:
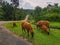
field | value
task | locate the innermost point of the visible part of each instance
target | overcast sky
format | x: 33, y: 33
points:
x: 30, y: 4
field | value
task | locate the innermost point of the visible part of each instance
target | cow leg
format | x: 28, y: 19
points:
x: 32, y: 34
x: 47, y: 32
x: 28, y: 32
x: 23, y: 30
x: 48, y: 27
x: 38, y: 27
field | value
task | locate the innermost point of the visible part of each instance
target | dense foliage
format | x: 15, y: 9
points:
x: 7, y: 12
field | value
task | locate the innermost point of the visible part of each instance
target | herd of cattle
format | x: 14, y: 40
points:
x: 27, y: 27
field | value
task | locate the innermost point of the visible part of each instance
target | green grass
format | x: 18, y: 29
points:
x: 55, y: 24
x: 40, y: 37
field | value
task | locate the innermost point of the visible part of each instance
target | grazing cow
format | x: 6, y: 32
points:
x: 45, y: 28
x: 27, y: 27
x: 14, y: 24
x: 44, y: 24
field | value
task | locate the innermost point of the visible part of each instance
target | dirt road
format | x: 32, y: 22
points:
x: 7, y: 38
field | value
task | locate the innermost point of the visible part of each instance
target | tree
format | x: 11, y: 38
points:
x: 56, y: 4
x: 37, y: 13
x: 7, y: 11
x: 15, y: 4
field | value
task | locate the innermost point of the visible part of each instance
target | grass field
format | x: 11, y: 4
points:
x: 40, y: 37
x: 57, y: 24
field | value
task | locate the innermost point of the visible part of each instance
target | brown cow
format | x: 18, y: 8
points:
x: 43, y: 22
x: 45, y: 28
x: 14, y: 24
x: 27, y: 27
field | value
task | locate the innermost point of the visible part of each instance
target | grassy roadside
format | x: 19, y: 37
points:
x: 57, y: 24
x: 40, y: 38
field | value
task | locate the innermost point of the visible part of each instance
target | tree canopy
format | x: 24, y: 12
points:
x: 7, y: 12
